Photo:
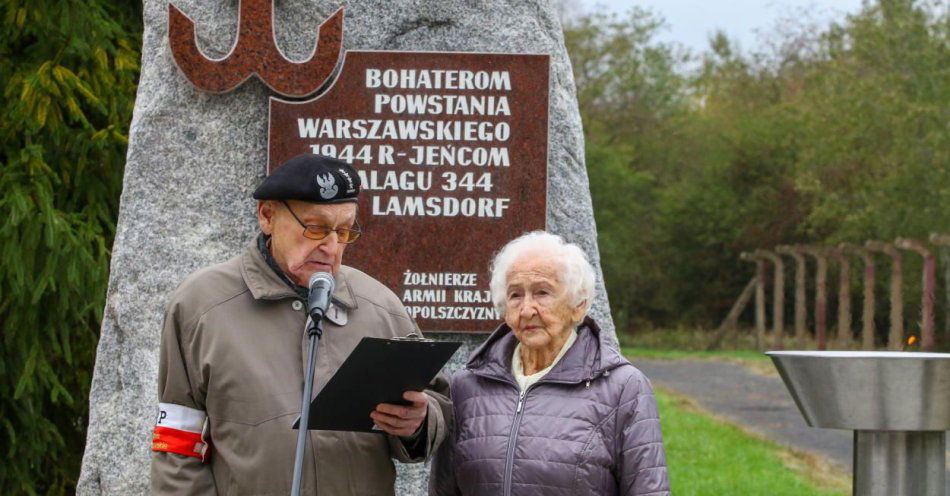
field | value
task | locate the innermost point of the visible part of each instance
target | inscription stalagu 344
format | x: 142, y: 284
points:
x: 452, y: 152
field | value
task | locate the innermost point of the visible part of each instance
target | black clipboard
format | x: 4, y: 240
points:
x: 378, y: 371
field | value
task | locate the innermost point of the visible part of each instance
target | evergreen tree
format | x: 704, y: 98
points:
x: 68, y: 72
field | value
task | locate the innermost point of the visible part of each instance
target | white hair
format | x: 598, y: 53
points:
x: 575, y: 271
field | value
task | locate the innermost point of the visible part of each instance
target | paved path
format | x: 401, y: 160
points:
x: 758, y: 403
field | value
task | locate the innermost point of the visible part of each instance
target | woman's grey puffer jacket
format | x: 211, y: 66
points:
x: 588, y: 427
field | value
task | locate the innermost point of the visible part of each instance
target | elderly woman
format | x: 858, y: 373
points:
x: 547, y: 406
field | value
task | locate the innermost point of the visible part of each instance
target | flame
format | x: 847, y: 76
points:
x: 911, y: 340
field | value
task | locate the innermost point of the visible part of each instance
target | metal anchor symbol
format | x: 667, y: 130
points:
x: 255, y: 52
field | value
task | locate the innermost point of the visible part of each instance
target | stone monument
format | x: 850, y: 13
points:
x: 194, y: 157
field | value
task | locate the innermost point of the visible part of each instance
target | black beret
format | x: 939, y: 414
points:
x: 311, y: 178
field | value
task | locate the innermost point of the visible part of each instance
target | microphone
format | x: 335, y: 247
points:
x: 321, y: 286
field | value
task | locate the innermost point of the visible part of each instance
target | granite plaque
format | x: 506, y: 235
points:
x: 195, y: 158
x: 451, y: 149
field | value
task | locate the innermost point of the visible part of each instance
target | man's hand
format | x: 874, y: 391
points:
x: 402, y: 421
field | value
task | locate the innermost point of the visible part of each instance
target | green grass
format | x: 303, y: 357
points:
x: 707, y: 456
x: 755, y: 362
x: 634, y: 352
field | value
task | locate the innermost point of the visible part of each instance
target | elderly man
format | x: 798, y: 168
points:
x: 234, y: 350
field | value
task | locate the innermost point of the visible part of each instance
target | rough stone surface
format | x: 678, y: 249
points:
x: 194, y: 159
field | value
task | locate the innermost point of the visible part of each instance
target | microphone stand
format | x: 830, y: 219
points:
x: 314, y: 333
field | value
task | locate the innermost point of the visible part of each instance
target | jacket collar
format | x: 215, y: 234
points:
x: 265, y: 284
x: 591, y: 355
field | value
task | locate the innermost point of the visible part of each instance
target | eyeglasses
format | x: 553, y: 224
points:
x: 311, y: 231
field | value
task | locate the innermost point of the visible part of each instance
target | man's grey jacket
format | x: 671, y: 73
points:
x: 233, y: 354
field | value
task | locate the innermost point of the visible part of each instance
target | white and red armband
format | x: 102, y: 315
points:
x: 180, y: 430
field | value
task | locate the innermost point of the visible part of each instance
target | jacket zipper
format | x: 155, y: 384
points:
x: 516, y: 424
x: 510, y: 455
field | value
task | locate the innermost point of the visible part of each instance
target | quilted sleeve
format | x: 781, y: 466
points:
x: 642, y: 460
x: 442, y: 481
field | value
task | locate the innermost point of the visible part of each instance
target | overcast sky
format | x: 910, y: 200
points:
x: 690, y: 22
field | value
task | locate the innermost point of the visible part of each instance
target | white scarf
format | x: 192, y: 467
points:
x: 517, y: 368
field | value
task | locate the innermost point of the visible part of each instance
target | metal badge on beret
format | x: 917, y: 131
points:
x: 311, y: 178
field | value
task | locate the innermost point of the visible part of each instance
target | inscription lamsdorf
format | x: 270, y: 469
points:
x: 451, y: 149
